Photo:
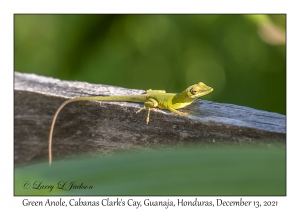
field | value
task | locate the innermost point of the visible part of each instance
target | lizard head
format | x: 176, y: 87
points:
x: 198, y: 90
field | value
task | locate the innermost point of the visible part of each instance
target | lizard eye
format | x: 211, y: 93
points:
x: 193, y: 91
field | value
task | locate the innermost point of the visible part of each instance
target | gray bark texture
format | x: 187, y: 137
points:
x: 105, y: 127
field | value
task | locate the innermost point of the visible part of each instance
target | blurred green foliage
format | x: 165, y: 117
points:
x: 186, y: 171
x: 243, y: 57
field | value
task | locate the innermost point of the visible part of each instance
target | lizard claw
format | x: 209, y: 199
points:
x: 184, y: 113
x: 140, y: 110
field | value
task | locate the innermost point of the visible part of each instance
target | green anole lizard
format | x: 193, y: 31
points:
x: 151, y: 99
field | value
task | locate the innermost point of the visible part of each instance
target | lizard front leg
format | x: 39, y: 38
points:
x: 177, y: 112
x: 150, y: 103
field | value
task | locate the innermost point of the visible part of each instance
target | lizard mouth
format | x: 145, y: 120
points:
x: 204, y: 92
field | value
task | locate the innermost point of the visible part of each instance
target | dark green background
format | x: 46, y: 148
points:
x: 171, y: 52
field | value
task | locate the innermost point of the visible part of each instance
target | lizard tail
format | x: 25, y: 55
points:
x: 137, y: 98
x: 52, y: 128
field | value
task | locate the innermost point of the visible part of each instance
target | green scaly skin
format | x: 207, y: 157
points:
x: 151, y: 99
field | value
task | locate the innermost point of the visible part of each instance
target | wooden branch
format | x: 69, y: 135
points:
x: 103, y: 127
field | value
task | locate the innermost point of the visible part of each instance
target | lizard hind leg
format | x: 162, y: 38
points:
x: 150, y: 103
